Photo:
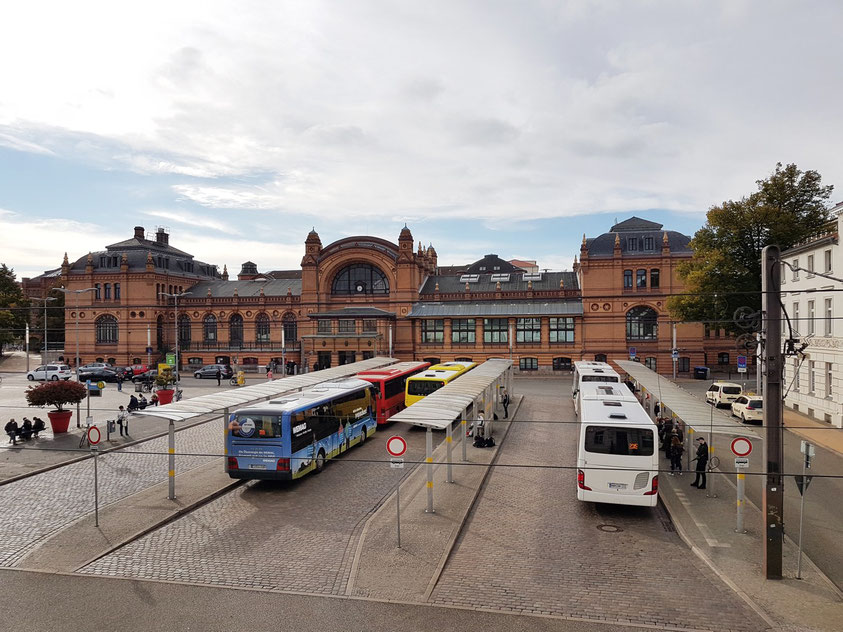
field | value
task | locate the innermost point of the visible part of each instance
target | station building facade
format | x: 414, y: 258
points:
x: 362, y: 296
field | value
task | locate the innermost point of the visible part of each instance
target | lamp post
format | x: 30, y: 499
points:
x: 46, y: 300
x: 171, y: 492
x: 76, y: 366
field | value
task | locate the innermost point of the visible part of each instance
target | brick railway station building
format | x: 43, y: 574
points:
x: 363, y: 296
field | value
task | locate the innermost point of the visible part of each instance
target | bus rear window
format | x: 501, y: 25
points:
x: 599, y: 378
x: 423, y: 387
x: 256, y: 426
x: 619, y: 441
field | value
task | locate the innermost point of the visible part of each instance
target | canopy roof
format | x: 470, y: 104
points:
x: 692, y: 410
x: 239, y: 397
x: 441, y: 407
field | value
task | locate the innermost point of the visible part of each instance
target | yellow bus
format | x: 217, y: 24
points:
x: 432, y: 379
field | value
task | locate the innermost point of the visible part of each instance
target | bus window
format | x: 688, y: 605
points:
x: 599, y: 378
x: 423, y: 387
x: 256, y: 426
x: 619, y: 441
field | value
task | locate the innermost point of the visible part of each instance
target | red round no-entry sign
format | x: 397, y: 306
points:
x: 741, y: 446
x: 94, y: 435
x: 396, y: 446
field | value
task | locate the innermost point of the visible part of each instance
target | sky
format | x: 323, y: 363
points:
x: 486, y: 126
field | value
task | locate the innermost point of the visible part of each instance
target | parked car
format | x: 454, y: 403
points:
x: 749, y: 408
x: 104, y: 373
x: 52, y: 372
x: 136, y: 369
x: 210, y: 370
x: 146, y: 376
x: 723, y: 393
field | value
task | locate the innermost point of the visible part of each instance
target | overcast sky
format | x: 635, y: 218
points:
x: 488, y: 127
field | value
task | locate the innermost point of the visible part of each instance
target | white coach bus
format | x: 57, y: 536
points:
x: 617, y: 452
x: 587, y: 371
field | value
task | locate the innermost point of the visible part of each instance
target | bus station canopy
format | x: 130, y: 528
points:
x: 450, y: 402
x: 243, y: 396
x: 692, y: 410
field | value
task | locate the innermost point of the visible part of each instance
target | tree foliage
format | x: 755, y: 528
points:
x: 56, y: 394
x: 12, y: 300
x: 725, y: 272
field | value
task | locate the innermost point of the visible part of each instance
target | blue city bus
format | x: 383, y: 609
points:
x: 286, y: 438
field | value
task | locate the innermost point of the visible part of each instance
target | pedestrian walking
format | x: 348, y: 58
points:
x: 505, y: 402
x: 123, y: 420
x: 676, y: 452
x: 702, y: 462
x: 219, y: 375
x: 11, y: 429
x: 119, y: 382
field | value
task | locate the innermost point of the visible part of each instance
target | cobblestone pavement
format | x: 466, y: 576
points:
x: 298, y: 536
x: 531, y: 547
x: 35, y: 507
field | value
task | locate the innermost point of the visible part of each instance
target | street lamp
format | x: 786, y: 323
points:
x: 76, y: 366
x: 46, y: 300
x: 175, y: 298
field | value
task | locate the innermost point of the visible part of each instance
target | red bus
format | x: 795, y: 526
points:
x: 390, y: 382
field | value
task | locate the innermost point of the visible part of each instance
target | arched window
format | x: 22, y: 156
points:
x: 642, y: 323
x: 360, y: 278
x: 159, y: 333
x: 291, y: 328
x: 235, y: 330
x: 209, y: 328
x: 184, y: 330
x: 600, y: 357
x: 262, y: 328
x: 106, y: 330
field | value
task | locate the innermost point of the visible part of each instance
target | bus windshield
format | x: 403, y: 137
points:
x: 619, y: 441
x: 423, y: 387
x: 256, y: 426
x: 600, y: 378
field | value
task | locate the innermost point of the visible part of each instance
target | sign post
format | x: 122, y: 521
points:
x: 741, y: 448
x: 94, y: 437
x: 396, y: 447
x: 802, y: 483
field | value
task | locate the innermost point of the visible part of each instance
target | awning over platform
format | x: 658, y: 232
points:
x: 692, y: 410
x: 233, y: 398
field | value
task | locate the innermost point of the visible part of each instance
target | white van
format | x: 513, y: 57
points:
x: 52, y: 372
x: 723, y: 393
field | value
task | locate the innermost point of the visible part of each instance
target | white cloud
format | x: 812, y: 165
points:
x: 196, y: 220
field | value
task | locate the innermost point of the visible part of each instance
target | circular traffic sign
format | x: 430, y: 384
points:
x: 100, y: 385
x: 741, y: 446
x: 396, y: 446
x: 94, y: 435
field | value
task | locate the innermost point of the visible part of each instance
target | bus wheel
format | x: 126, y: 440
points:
x: 320, y: 461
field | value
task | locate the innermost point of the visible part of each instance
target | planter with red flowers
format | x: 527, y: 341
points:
x: 57, y: 394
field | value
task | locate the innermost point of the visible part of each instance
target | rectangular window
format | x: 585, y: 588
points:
x: 347, y: 326
x: 796, y: 269
x: 433, y: 330
x: 323, y: 326
x: 811, y: 316
x: 97, y: 291
x: 528, y: 330
x: 783, y: 273
x: 654, y: 278
x: 796, y: 374
x: 627, y: 278
x: 462, y: 330
x: 723, y: 358
x: 495, y: 330
x: 108, y: 291
x: 632, y: 244
x: 684, y: 365
x: 828, y: 377
x: 641, y: 278
x: 648, y: 243
x: 528, y: 364
x: 561, y: 330
x: 619, y: 441
x: 796, y: 324
x: 650, y: 363
x: 370, y: 326
x: 116, y: 291
x: 812, y: 377
x: 828, y: 317
x: 827, y: 260
x: 810, y: 265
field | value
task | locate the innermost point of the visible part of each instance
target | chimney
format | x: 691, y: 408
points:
x: 139, y: 232
x: 161, y: 237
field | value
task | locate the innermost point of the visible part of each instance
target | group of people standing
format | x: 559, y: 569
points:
x: 672, y: 440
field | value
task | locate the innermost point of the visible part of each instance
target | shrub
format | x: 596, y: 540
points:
x: 165, y: 379
x: 56, y: 394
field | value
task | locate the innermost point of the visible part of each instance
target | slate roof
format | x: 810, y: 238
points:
x: 222, y: 289
x: 284, y: 274
x: 635, y: 223
x: 184, y: 266
x: 570, y: 307
x: 491, y: 263
x: 516, y: 283
x: 633, y: 234
x: 354, y: 312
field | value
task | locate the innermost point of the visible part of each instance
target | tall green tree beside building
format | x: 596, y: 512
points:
x: 725, y: 272
x: 12, y: 302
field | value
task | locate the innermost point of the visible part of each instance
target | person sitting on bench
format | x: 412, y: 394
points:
x: 133, y: 404
x: 37, y: 426
x: 26, y: 429
x: 142, y: 402
x: 11, y: 429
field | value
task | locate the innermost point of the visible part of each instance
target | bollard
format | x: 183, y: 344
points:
x: 96, y: 488
x: 741, y: 483
x: 171, y: 448
x: 449, y: 441
x: 398, y: 510
x: 429, y: 460
x: 464, y: 439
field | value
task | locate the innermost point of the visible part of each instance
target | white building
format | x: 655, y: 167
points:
x: 815, y: 306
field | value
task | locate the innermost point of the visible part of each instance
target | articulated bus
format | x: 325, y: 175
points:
x: 586, y: 371
x: 289, y: 437
x: 390, y: 382
x: 423, y: 384
x: 617, y: 451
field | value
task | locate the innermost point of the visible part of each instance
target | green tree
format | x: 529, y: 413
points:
x: 725, y: 273
x: 12, y: 302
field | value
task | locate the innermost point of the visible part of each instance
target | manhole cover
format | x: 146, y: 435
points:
x: 609, y: 528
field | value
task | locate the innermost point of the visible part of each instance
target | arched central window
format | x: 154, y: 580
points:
x: 262, y: 328
x: 106, y: 329
x: 642, y: 323
x: 235, y: 330
x: 184, y: 330
x: 360, y: 278
x: 210, y: 328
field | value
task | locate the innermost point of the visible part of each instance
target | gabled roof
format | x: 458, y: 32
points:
x: 490, y: 264
x: 635, y: 223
